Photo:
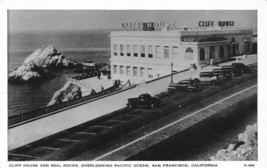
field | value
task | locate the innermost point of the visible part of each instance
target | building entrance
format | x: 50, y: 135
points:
x: 212, y: 52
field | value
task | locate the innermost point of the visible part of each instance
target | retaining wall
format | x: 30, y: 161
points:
x: 44, y: 126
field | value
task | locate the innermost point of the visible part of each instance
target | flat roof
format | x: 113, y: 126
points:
x: 180, y: 33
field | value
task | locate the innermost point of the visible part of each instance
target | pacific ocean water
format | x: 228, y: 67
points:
x: 91, y: 45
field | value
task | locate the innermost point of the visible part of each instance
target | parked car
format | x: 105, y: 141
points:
x: 221, y: 74
x: 242, y: 67
x: 144, y: 100
x: 233, y: 71
x: 207, y: 78
x: 184, y: 85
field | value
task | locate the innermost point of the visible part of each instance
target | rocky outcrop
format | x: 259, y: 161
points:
x: 68, y: 92
x: 245, y: 149
x: 39, y: 63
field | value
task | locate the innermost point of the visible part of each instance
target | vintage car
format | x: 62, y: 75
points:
x: 184, y: 85
x: 144, y: 100
x: 207, y: 78
x: 221, y: 74
x: 233, y: 71
x: 242, y: 67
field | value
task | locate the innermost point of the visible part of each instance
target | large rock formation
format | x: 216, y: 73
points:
x: 37, y: 65
x: 245, y: 149
x: 68, y: 92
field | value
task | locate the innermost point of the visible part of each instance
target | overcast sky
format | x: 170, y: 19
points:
x: 108, y: 19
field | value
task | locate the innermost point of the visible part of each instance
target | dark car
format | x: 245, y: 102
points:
x: 221, y: 74
x: 207, y: 78
x: 144, y: 100
x: 242, y: 67
x: 233, y: 71
x: 184, y: 85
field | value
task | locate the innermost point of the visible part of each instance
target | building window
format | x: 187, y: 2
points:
x: 128, y: 48
x: 221, y: 51
x: 135, y: 71
x: 150, y: 51
x: 189, y: 55
x: 135, y: 50
x: 142, y: 71
x: 150, y: 75
x: 142, y: 50
x: 128, y: 71
x: 115, y: 49
x: 202, y: 54
x: 121, y: 70
x: 166, y: 52
x: 122, y: 49
x: 175, y: 51
x: 115, y: 69
x: 158, y: 52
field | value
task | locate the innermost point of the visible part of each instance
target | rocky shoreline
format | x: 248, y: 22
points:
x: 38, y: 66
x: 246, y: 148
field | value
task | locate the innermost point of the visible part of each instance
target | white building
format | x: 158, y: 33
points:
x: 140, y: 56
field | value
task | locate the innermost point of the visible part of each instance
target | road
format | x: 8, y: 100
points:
x: 161, y: 130
x: 100, y: 138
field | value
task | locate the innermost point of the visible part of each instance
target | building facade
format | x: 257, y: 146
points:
x: 139, y: 56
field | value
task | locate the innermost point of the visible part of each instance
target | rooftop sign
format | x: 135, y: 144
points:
x: 215, y: 24
x: 148, y: 25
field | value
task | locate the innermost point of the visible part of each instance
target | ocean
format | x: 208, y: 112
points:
x: 91, y: 45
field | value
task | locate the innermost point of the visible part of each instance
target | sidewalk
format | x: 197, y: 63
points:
x: 251, y: 59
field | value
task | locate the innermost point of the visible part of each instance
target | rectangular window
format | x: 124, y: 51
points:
x: 166, y: 52
x: 128, y: 49
x: 158, y: 52
x: 150, y: 51
x: 175, y: 51
x: 142, y: 71
x: 135, y: 71
x: 150, y: 75
x: 115, y: 49
x: 135, y: 50
x: 122, y: 49
x: 128, y: 71
x: 121, y: 70
x: 115, y: 71
x: 142, y: 50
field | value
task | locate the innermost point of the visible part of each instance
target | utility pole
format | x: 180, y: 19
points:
x: 171, y: 73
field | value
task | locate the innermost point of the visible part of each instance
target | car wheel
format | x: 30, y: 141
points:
x: 190, y: 90
x: 170, y: 90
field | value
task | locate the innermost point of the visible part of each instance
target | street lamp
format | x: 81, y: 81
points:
x: 171, y: 73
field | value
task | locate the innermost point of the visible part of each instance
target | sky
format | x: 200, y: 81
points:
x: 35, y: 20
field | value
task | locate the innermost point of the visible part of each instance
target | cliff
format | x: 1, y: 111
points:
x: 245, y: 149
x: 68, y: 92
x: 37, y: 65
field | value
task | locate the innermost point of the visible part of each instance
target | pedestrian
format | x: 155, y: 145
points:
x: 211, y: 62
x: 194, y: 66
x: 215, y: 62
x: 102, y: 88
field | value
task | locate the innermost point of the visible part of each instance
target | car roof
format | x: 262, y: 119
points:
x: 145, y: 94
x: 217, y: 69
x: 238, y: 63
x: 185, y: 81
